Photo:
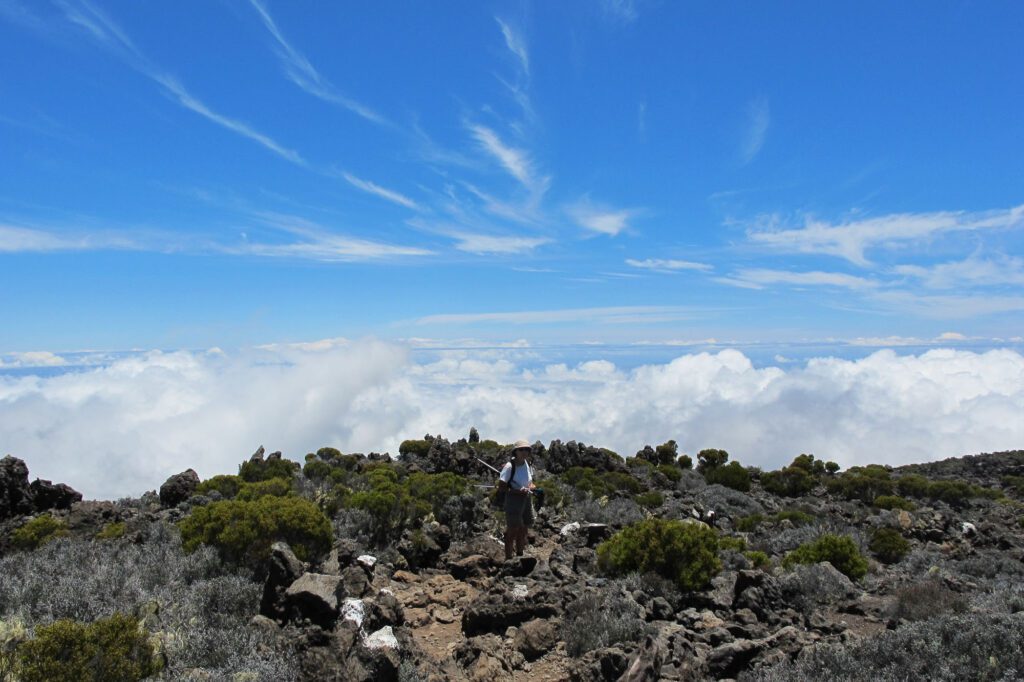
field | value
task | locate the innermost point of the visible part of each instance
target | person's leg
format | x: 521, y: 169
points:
x: 513, y: 521
x: 510, y: 538
x: 522, y: 537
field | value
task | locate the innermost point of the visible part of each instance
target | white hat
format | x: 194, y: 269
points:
x: 521, y: 444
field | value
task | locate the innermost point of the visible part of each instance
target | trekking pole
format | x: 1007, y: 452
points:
x: 488, y: 466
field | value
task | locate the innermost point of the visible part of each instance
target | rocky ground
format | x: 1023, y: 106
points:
x: 435, y: 600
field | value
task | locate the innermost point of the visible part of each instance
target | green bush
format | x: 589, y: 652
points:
x: 639, y: 462
x: 588, y: 480
x: 274, y: 487
x: 793, y: 481
x: 670, y: 472
x: 1015, y: 484
x: 913, y: 485
x: 839, y: 550
x: 862, y: 483
x: 554, y: 495
x: 38, y: 532
x: 667, y: 452
x: 894, y: 502
x: 686, y: 553
x: 108, y: 650
x: 255, y: 471
x: 650, y: 500
x: 111, y: 531
x: 418, y: 448
x: 794, y: 516
x: 888, y: 545
x: 435, y: 489
x: 831, y: 467
x: 748, y: 524
x: 685, y: 462
x: 316, y: 470
x: 394, y: 505
x: 732, y: 475
x: 329, y: 454
x: 227, y: 485
x: 243, y: 531
x: 710, y: 458
x: 758, y: 559
x: 728, y: 543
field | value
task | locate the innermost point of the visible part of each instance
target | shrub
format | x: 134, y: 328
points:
x: 554, y: 495
x: 749, y: 523
x: 329, y: 454
x: 650, y: 500
x: 274, y: 487
x: 894, y: 502
x: 253, y: 471
x: 666, y: 452
x: 926, y: 599
x: 243, y: 531
x: 672, y: 473
x: 794, y: 516
x: 316, y: 470
x: 435, y: 489
x: 111, y: 531
x: 595, y: 621
x: 758, y: 559
x: 793, y: 481
x: 912, y: 485
x: 107, y: 650
x: 418, y: 448
x: 38, y: 532
x: 685, y: 462
x: 831, y: 467
x: 888, y: 545
x: 710, y: 458
x: 732, y: 475
x: 394, y: 506
x: 588, y: 480
x: 862, y: 483
x: 731, y: 544
x: 227, y: 485
x: 839, y: 550
x: 683, y: 552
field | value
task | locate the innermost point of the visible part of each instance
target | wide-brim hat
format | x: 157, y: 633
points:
x: 520, y: 445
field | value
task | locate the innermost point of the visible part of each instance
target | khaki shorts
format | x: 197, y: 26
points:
x: 518, y: 510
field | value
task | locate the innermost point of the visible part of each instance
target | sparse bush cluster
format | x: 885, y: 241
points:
x: 596, y: 620
x: 888, y: 545
x: 871, y: 482
x: 686, y: 553
x: 588, y: 481
x: 395, y: 503
x: 38, y: 532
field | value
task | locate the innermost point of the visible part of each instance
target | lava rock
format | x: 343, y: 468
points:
x: 178, y: 488
x: 47, y: 495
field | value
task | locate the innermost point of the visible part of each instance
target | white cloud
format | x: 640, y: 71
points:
x: 39, y: 358
x: 516, y: 161
x: 601, y: 219
x: 755, y: 278
x: 318, y: 243
x: 382, y: 192
x: 516, y: 44
x: 301, y: 72
x: 209, y: 411
x: 607, y: 315
x: 972, y: 271
x: 485, y: 243
x: 758, y: 119
x: 851, y: 239
x: 667, y: 265
x: 947, y: 307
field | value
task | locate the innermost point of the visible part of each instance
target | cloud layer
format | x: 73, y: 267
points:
x: 122, y: 428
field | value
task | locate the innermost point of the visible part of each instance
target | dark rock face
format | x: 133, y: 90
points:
x: 46, y: 495
x: 561, y: 457
x: 15, y: 493
x: 284, y: 569
x: 535, y: 638
x: 497, y: 610
x: 314, y: 597
x: 423, y: 547
x: 178, y: 488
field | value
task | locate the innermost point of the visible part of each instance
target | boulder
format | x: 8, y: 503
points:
x: 15, y: 493
x: 535, y: 638
x: 473, y: 566
x: 178, y: 488
x: 817, y: 584
x: 46, y: 495
x: 496, y: 611
x: 284, y: 569
x: 422, y: 547
x: 314, y: 597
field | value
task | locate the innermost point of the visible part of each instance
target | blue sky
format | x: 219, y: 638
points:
x: 190, y: 174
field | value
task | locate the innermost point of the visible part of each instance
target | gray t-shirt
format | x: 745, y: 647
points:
x: 524, y: 475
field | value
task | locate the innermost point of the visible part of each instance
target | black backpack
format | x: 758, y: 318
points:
x: 498, y: 499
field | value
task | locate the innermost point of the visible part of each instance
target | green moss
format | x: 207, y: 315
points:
x: 839, y: 550
x: 794, y: 516
x: 686, y: 553
x: 748, y: 524
x: 38, y: 531
x: 111, y: 649
x: 758, y: 559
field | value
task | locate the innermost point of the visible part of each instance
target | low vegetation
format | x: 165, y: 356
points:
x: 686, y: 553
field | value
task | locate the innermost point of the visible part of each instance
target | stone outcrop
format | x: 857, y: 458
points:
x: 179, y: 488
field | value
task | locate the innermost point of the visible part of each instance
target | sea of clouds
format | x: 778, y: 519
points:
x: 120, y: 428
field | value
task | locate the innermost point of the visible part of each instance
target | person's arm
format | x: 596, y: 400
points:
x: 503, y: 485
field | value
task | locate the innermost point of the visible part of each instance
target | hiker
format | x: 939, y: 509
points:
x: 516, y: 480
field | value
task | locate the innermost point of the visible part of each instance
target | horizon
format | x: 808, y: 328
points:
x: 822, y: 203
